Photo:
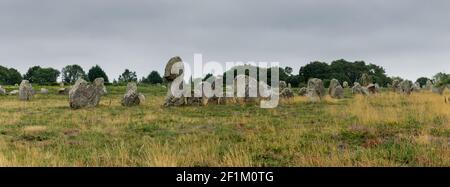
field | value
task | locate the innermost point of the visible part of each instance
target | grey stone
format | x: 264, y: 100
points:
x: 2, y: 91
x: 44, y: 91
x: 250, y: 85
x: 429, y: 85
x: 337, y: 94
x: 365, y: 79
x: 170, y: 75
x: 372, y: 88
x: 405, y: 87
x: 82, y: 94
x: 26, y: 91
x: 131, y: 97
x: 63, y: 91
x: 315, y: 90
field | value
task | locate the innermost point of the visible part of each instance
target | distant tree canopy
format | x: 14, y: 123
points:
x: 97, y: 72
x: 128, y: 76
x: 442, y: 79
x: 343, y: 71
x: 9, y: 76
x: 152, y: 78
x: 42, y: 76
x: 71, y: 73
x: 422, y: 81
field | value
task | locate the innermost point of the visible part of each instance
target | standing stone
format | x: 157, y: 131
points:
x: 175, y: 63
x: 429, y: 85
x: 131, y: 97
x: 345, y: 84
x: 303, y: 91
x: 372, y: 88
x: 63, y: 91
x: 2, y: 91
x: 82, y: 94
x: 396, y: 85
x: 25, y: 91
x: 285, y: 90
x: 315, y: 90
x: 141, y: 98
x: 365, y: 80
x: 337, y: 94
x: 44, y: 91
x: 61, y: 84
x: 250, y: 86
x: 416, y: 87
x: 405, y: 87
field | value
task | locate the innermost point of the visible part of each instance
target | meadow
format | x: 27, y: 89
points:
x: 387, y: 129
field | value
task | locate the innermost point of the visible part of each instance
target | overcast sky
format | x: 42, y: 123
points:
x: 410, y: 38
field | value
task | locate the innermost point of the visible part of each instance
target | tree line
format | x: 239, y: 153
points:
x: 70, y: 74
x: 339, y: 69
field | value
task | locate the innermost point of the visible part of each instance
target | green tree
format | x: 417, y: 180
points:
x: 128, y: 76
x: 42, y: 76
x: 422, y: 81
x: 320, y: 70
x: 9, y: 76
x: 97, y: 72
x: 441, y: 79
x: 153, y: 78
x: 72, y: 73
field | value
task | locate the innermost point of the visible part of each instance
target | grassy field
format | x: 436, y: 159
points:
x: 383, y: 130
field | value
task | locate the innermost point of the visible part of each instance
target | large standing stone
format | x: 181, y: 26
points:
x: 26, y: 91
x: 175, y: 63
x: 132, y: 97
x: 83, y: 94
x: 2, y: 91
x: 250, y: 92
x: 406, y: 87
x: 337, y: 94
x: 316, y: 90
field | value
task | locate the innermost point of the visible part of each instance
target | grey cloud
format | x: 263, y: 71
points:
x: 409, y: 38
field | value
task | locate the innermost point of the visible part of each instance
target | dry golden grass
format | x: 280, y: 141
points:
x: 387, y: 129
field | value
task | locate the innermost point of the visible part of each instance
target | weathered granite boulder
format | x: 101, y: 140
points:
x: 315, y: 90
x: 416, y: 87
x: 406, y: 87
x: 44, y: 91
x: 132, y: 97
x: 26, y: 91
x: 82, y: 94
x: 337, y: 94
x: 2, y: 91
x: 250, y: 89
x: 174, y: 69
x: 396, y: 85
